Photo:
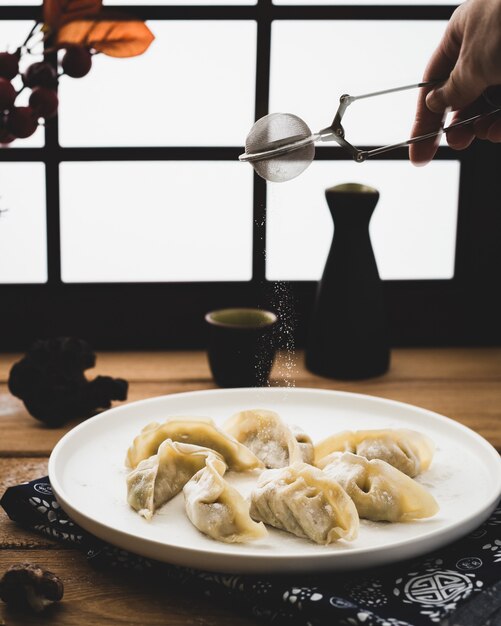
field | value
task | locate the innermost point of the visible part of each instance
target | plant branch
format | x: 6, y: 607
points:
x: 30, y: 35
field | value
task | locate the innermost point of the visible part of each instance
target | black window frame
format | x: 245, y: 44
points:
x: 461, y: 311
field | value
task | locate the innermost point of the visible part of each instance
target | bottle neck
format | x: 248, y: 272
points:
x: 354, y: 211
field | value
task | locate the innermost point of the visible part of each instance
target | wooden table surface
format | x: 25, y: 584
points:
x: 464, y: 384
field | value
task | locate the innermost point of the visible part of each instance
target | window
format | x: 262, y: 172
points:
x: 23, y: 228
x: 130, y: 216
x: 125, y: 225
x: 412, y: 240
x: 193, y: 87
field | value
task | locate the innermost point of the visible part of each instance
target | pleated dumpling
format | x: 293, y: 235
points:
x: 269, y: 438
x: 199, y: 431
x: 407, y: 450
x: 306, y: 502
x: 217, y: 509
x: 160, y: 477
x: 379, y: 490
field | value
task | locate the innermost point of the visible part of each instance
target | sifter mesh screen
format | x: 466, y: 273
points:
x: 276, y: 130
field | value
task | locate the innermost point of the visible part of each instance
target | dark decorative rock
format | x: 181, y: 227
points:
x: 50, y: 380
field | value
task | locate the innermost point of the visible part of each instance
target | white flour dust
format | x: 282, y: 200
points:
x: 279, y: 298
x: 286, y: 370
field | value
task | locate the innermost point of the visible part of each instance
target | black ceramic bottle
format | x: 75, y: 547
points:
x: 347, y: 334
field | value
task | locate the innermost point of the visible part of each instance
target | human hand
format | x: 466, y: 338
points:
x: 470, y: 54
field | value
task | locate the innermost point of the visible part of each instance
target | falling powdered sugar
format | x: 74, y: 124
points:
x: 279, y: 297
x: 286, y: 370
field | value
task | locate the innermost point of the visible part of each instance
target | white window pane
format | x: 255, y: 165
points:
x: 314, y: 62
x: 413, y: 228
x: 193, y: 87
x: 156, y: 221
x: 371, y: 2
x: 23, y: 232
x: 12, y: 35
x: 18, y: 3
x: 184, y: 2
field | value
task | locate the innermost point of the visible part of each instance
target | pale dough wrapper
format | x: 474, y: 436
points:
x: 159, y: 478
x: 407, y: 450
x: 380, y: 491
x: 270, y: 438
x: 306, y: 502
x: 217, y: 509
x: 198, y: 431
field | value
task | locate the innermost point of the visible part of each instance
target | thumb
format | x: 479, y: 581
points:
x: 461, y: 89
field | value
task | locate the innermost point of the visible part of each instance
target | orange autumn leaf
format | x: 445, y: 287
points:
x: 59, y: 12
x: 115, y: 38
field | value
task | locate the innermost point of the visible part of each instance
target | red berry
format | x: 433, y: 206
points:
x: 44, y: 101
x: 6, y: 137
x: 22, y: 122
x: 7, y: 94
x: 9, y: 65
x: 77, y: 61
x: 40, y: 74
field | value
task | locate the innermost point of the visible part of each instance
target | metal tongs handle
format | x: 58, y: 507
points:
x: 336, y: 131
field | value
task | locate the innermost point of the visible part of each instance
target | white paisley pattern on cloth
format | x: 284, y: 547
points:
x: 495, y: 518
x: 366, y: 618
x: 494, y: 547
x: 469, y: 563
x: 299, y: 595
x: 438, y: 588
x: 437, y: 591
x: 369, y: 594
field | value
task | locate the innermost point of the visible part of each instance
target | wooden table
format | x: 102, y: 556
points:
x: 464, y: 384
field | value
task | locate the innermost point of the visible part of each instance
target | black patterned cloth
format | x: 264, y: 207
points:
x: 458, y: 585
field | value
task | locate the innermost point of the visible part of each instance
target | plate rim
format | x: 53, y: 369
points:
x: 433, y: 537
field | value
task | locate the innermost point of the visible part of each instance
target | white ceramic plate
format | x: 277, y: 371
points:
x: 87, y: 473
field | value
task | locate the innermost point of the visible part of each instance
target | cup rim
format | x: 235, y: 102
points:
x: 269, y: 315
x: 350, y: 187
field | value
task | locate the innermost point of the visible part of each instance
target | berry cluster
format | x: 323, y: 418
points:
x: 42, y: 78
x: 72, y: 31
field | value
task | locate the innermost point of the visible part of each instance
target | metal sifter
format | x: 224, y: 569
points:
x: 280, y: 146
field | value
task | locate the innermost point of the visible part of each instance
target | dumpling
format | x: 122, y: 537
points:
x: 269, y: 438
x: 199, y: 431
x: 379, y: 490
x: 217, y: 509
x: 306, y: 448
x: 303, y: 500
x: 160, y: 477
x: 407, y: 450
